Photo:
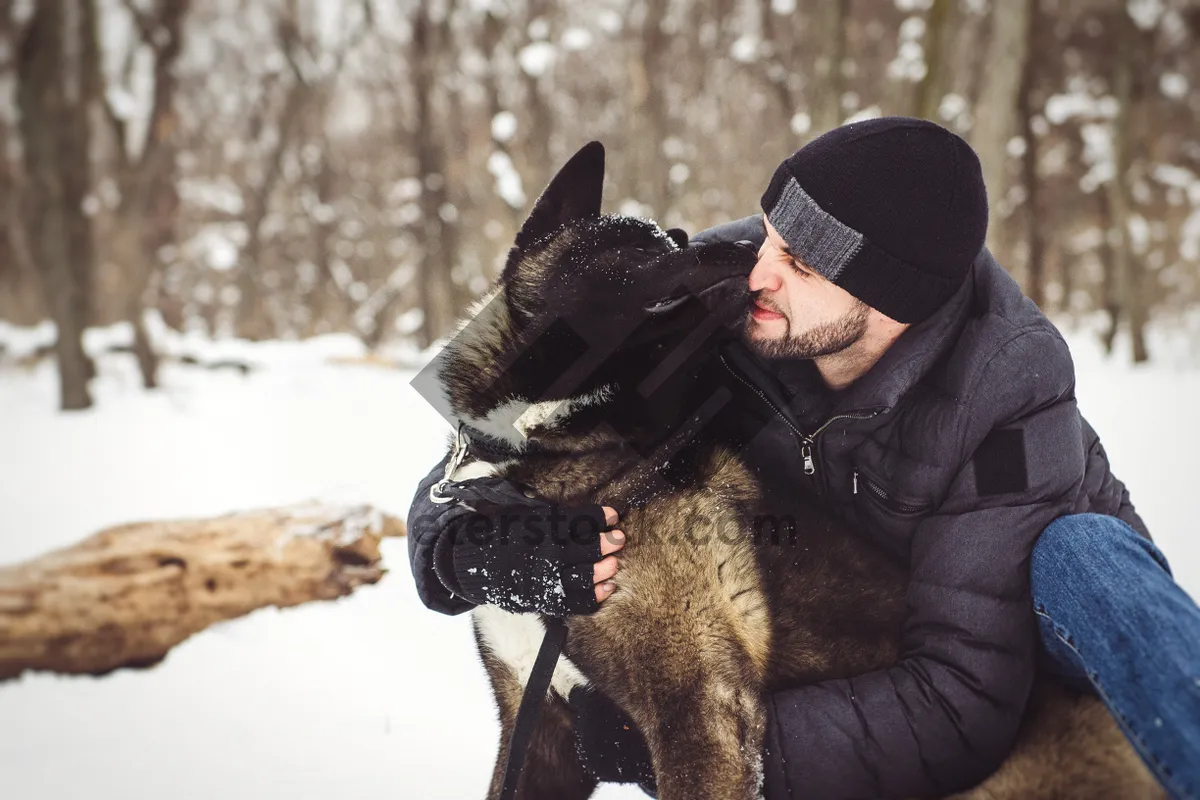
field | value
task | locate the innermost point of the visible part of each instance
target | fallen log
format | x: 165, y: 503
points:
x: 125, y: 596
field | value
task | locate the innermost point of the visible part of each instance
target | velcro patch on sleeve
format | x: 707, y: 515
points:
x: 1000, y: 466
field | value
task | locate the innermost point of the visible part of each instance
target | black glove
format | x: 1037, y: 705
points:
x: 609, y: 746
x: 520, y: 553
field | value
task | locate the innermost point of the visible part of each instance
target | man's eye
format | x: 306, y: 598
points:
x: 799, y: 270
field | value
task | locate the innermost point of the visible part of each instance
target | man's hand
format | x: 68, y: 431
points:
x: 524, y: 554
x: 606, y: 568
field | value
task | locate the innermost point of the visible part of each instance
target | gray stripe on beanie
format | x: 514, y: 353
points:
x: 819, y: 240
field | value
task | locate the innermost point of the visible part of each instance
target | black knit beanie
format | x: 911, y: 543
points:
x: 893, y: 210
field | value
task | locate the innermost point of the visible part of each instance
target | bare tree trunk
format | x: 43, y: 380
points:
x: 25, y: 304
x: 1127, y: 278
x: 996, y: 111
x: 538, y: 163
x: 251, y: 320
x: 491, y: 36
x: 449, y: 228
x: 328, y: 299
x: 776, y: 68
x: 49, y: 95
x: 433, y: 275
x: 1109, y: 273
x: 826, y: 90
x: 149, y: 200
x: 157, y: 196
x: 143, y: 351
x: 929, y: 90
x: 81, y: 70
x: 650, y: 111
x: 1035, y: 273
x: 20, y: 290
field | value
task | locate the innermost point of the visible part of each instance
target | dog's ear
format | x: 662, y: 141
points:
x: 678, y: 236
x: 574, y: 193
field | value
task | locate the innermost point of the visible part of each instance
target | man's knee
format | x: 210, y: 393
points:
x: 1082, y: 543
x: 1069, y: 535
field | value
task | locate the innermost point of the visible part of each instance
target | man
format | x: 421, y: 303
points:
x: 933, y: 409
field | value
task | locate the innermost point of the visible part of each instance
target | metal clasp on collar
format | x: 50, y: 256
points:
x: 457, y: 454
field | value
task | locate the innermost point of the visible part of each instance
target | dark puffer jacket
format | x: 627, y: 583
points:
x: 952, y: 454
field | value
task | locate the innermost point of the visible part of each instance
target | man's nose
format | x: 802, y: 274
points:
x: 765, y: 277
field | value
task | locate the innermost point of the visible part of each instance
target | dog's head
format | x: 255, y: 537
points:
x: 612, y: 273
x: 588, y: 304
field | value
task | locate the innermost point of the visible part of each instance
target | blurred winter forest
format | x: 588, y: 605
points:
x: 284, y: 168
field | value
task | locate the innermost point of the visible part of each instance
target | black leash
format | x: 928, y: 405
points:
x: 529, y: 712
x: 532, y: 700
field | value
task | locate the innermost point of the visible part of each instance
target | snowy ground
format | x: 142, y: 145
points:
x: 371, y: 696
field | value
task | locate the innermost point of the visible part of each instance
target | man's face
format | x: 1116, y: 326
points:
x: 796, y: 312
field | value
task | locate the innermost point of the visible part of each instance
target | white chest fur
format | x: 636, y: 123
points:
x: 476, y: 469
x: 514, y: 639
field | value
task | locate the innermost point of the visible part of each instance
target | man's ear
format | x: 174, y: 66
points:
x: 573, y: 194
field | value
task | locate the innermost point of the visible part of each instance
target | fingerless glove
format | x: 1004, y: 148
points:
x: 518, y: 552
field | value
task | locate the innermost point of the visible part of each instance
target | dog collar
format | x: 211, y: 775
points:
x: 437, y: 492
x: 484, y: 447
x: 493, y: 449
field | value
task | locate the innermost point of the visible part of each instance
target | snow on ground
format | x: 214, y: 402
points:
x: 369, y: 696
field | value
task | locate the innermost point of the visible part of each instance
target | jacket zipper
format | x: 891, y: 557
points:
x: 806, y: 447
x: 807, y: 441
x: 882, y: 495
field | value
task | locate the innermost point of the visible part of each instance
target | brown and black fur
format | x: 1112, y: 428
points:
x: 695, y: 635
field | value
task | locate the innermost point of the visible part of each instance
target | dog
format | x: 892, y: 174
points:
x: 587, y: 361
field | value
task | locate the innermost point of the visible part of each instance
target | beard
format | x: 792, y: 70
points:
x: 824, y: 339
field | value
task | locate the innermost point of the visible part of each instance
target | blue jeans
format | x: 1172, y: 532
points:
x: 1111, y: 616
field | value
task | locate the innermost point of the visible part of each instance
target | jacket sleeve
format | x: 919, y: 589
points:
x: 746, y: 229
x: 947, y: 715
x: 429, y: 524
x: 1106, y: 488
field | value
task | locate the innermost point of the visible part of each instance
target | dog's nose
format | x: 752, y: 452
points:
x: 749, y: 245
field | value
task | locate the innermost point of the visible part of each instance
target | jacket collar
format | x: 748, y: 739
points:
x: 917, y: 350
